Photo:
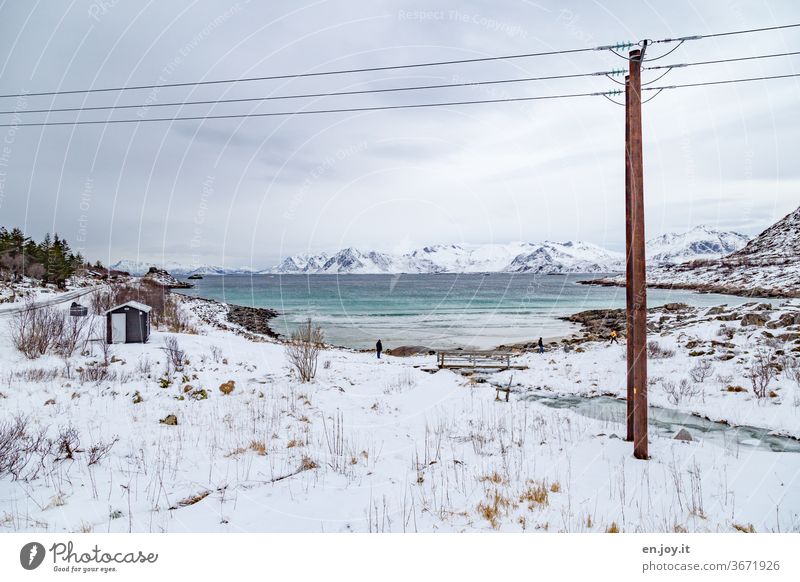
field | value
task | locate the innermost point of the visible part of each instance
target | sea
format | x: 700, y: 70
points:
x: 440, y: 311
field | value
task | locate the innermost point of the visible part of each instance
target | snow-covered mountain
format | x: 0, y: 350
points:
x: 567, y: 257
x: 516, y: 257
x: 141, y: 267
x: 769, y: 265
x: 546, y: 257
x: 702, y: 242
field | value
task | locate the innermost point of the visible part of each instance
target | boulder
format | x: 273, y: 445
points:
x: 758, y: 319
x: 404, y: 351
x: 683, y: 435
x: 169, y: 420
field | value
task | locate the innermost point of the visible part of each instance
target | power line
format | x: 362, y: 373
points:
x: 306, y: 112
x: 617, y: 46
x: 608, y: 74
x: 729, y: 33
x: 327, y: 94
x: 719, y: 61
x: 389, y: 107
x: 321, y: 73
x: 723, y: 82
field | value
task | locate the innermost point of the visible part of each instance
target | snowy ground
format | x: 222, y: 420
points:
x: 378, y: 446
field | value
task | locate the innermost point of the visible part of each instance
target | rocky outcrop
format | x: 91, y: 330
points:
x: 253, y: 319
x: 162, y: 277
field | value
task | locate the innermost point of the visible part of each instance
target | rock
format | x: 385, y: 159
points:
x: 788, y: 319
x: 683, y: 435
x: 169, y: 420
x: 253, y: 319
x: 403, y: 351
x: 758, y: 319
x: 137, y: 397
x: 716, y: 310
x: 50, y: 402
x: 676, y: 307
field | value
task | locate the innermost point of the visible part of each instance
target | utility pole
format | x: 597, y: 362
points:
x: 638, y: 275
x: 628, y: 266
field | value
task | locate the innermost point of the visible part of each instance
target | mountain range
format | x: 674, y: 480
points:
x: 768, y: 265
x: 702, y: 242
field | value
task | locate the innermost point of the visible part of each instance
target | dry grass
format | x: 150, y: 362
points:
x: 307, y: 463
x: 494, y: 478
x: 535, y: 494
x: 259, y: 447
x: 612, y: 528
x: 744, y: 528
x: 191, y: 500
x: 227, y: 387
x: 494, y: 507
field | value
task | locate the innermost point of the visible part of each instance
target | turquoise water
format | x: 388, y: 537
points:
x: 439, y: 311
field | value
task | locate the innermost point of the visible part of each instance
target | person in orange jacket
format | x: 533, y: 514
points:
x: 614, y: 337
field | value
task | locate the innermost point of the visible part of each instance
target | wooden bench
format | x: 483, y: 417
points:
x: 487, y: 360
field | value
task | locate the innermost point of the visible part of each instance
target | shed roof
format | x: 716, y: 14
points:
x: 134, y: 304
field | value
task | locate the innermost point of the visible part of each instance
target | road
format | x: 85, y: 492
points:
x: 11, y: 309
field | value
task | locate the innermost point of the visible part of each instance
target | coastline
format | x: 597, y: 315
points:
x: 707, y: 288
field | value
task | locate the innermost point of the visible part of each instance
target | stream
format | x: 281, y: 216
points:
x: 666, y: 422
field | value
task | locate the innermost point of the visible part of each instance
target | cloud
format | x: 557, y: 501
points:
x: 274, y: 186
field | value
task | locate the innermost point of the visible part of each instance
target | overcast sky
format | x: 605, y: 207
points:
x: 246, y: 192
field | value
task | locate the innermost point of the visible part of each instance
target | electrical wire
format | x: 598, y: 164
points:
x: 608, y: 74
x: 310, y: 95
x: 312, y: 74
x: 388, y: 107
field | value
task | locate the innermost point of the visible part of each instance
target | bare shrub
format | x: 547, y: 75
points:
x: 144, y: 366
x: 99, y: 451
x: 303, y: 349
x: 99, y: 338
x: 216, y: 353
x: 175, y: 355
x: 35, y: 330
x: 24, y: 452
x: 762, y: 371
x: 677, y: 393
x: 701, y: 370
x: 12, y: 434
x: 656, y: 351
x: 95, y: 373
x: 68, y: 442
x: 74, y: 333
x: 36, y: 375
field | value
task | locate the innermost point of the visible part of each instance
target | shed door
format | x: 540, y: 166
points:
x: 118, y: 328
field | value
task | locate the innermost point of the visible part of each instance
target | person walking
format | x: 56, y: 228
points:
x: 541, y: 346
x: 379, y: 348
x: 613, y: 337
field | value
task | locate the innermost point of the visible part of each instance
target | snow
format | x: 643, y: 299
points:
x: 382, y: 445
x: 138, y: 268
x: 544, y: 257
x: 701, y: 242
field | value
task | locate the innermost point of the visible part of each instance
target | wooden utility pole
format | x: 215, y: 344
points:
x: 628, y: 266
x: 638, y: 275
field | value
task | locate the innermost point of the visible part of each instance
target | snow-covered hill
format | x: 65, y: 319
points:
x: 141, y: 267
x: 769, y: 265
x: 702, y: 242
